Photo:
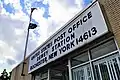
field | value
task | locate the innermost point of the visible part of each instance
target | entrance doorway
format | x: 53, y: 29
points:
x: 107, y: 68
x: 59, y: 72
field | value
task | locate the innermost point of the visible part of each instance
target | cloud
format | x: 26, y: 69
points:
x: 13, y: 34
x: 12, y: 38
x: 61, y: 11
x: 12, y: 41
x: 10, y: 61
x: 50, y: 15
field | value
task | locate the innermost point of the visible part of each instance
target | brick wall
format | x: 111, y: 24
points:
x: 16, y: 72
x: 112, y: 9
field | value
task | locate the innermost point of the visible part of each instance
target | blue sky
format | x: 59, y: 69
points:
x: 14, y: 17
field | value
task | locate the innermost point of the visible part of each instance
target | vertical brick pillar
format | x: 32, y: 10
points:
x: 112, y: 9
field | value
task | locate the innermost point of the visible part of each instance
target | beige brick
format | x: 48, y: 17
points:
x: 112, y: 9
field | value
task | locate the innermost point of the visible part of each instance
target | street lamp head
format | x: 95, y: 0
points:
x: 32, y: 26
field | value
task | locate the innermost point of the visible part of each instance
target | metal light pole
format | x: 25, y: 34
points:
x: 32, y: 9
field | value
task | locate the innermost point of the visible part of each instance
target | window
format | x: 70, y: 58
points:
x: 44, y: 76
x: 41, y: 76
x: 84, y: 67
x: 82, y: 73
x: 103, y: 49
x: 83, y: 57
x: 37, y: 77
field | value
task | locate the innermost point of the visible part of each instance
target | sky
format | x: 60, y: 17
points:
x: 14, y: 19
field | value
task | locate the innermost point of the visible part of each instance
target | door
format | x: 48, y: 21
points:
x: 59, y: 71
x: 107, y: 68
x: 82, y: 73
x: 58, y: 75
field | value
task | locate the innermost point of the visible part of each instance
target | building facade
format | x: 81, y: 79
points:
x: 86, y: 48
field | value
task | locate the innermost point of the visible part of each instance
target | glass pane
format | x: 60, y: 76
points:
x: 83, y: 57
x: 89, y: 73
x: 103, y: 49
x: 82, y: 73
x: 104, y: 71
x: 107, y: 68
x: 116, y: 68
x: 119, y: 58
x: 37, y: 77
x: 44, y: 75
x: 97, y: 75
x: 58, y: 75
x: 79, y: 74
x: 111, y: 70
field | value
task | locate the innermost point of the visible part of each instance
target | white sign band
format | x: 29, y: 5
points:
x: 83, y: 29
